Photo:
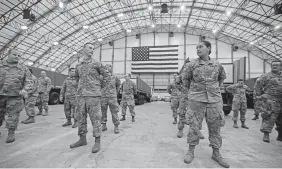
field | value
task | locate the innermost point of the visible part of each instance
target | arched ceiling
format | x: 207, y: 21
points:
x: 251, y: 21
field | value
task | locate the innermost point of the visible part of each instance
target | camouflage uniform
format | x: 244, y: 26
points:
x: 89, y: 95
x: 175, y: 93
x: 14, y: 77
x: 128, y: 89
x: 30, y: 101
x: 270, y: 85
x: 239, y: 103
x: 44, y: 87
x: 202, y: 81
x: 68, y: 94
x: 109, y: 98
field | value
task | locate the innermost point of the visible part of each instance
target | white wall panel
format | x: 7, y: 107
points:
x: 128, y: 67
x: 119, y: 43
x: 256, y: 65
x: 239, y: 54
x: 107, y: 54
x: 177, y: 39
x: 224, y: 52
x: 267, y: 67
x: 190, y: 39
x: 118, y: 67
x: 96, y: 54
x: 191, y: 52
x: 132, y: 41
x: 147, y: 40
x: 119, y: 54
x: 161, y: 39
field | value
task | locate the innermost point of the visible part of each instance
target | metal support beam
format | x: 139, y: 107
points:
x: 113, y: 54
x: 216, y: 48
x: 249, y: 64
x: 232, y: 52
x: 185, y: 47
x: 264, y: 66
x: 192, y: 7
x: 125, y: 54
x: 154, y: 38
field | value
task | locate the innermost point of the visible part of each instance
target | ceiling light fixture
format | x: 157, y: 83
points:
x: 150, y: 7
x: 100, y: 39
x: 128, y: 30
x: 53, y: 69
x: 74, y: 52
x: 120, y: 15
x: 182, y: 7
x: 55, y: 43
x: 252, y: 43
x: 85, y: 26
x: 61, y: 5
x: 29, y: 63
x: 24, y: 27
x: 228, y: 13
x: 153, y: 25
x: 178, y: 25
x: 277, y: 27
x: 214, y: 31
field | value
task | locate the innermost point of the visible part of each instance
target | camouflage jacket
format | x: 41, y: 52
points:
x: 239, y: 92
x: 112, y: 88
x: 203, y: 79
x: 33, y: 86
x: 88, y: 74
x: 270, y: 84
x: 128, y: 89
x: 44, y: 85
x: 173, y: 89
x: 69, y: 87
x: 14, y: 78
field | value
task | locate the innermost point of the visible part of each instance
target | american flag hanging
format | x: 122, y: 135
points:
x: 155, y: 59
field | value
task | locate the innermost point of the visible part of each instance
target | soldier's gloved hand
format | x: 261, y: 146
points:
x: 23, y: 93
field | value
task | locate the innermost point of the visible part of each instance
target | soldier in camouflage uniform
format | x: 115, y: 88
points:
x: 44, y: 87
x: 128, y: 90
x: 88, y: 96
x: 183, y: 105
x: 270, y: 85
x: 31, y: 100
x: 14, y: 85
x: 109, y: 99
x: 203, y: 77
x: 239, y: 102
x: 67, y: 95
x: 175, y: 94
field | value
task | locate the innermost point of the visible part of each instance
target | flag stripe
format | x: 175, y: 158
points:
x: 162, y: 68
x: 156, y: 66
x: 168, y: 46
x: 165, y: 54
x: 153, y: 51
x: 136, y: 63
x: 143, y: 64
x: 154, y: 71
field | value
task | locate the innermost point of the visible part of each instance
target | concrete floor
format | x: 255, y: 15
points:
x: 150, y: 142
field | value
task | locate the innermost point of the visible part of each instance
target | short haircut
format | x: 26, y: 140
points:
x: 276, y: 61
x: 87, y: 44
x: 240, y: 80
x: 71, y: 69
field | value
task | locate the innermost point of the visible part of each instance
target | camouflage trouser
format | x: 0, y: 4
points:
x: 130, y: 103
x: 114, y: 108
x: 241, y: 106
x: 213, y: 114
x: 69, y: 107
x: 256, y: 107
x: 182, y: 111
x: 268, y: 120
x: 42, y: 101
x: 92, y: 106
x: 174, y: 104
x: 30, y: 105
x: 12, y: 106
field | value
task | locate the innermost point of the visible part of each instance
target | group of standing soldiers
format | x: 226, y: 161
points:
x: 90, y: 88
x: 195, y: 94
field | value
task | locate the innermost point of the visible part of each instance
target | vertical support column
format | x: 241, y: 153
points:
x: 153, y: 81
x: 264, y: 66
x: 185, y: 47
x: 249, y: 65
x: 232, y: 57
x: 140, y: 40
x: 168, y: 39
x: 154, y: 38
x: 100, y: 53
x: 113, y: 54
x: 216, y: 48
x: 125, y: 54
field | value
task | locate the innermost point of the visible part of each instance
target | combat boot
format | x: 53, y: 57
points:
x: 235, y: 124
x: 180, y: 133
x: 25, y: 120
x: 11, y: 136
x: 190, y: 154
x: 74, y: 123
x: 256, y: 117
x: 68, y: 123
x: 217, y: 157
x: 104, y: 127
x: 244, y: 125
x: 45, y: 113
x: 200, y: 134
x: 97, y: 145
x: 175, y: 121
x: 29, y: 120
x: 133, y: 119
x: 81, y: 142
x: 123, y: 118
x: 279, y: 137
x: 116, y: 130
x: 39, y: 113
x: 266, y: 137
